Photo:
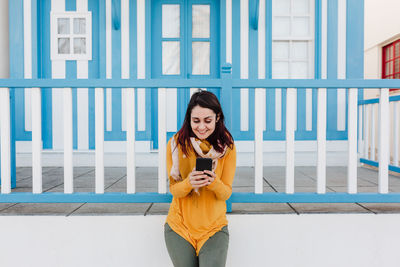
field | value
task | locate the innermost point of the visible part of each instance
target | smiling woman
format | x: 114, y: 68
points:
x: 196, y: 230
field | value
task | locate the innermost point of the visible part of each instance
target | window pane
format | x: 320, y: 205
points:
x: 63, y: 46
x: 387, y: 69
x: 171, y: 62
x: 280, y: 50
x: 281, y: 7
x: 201, y: 21
x: 280, y: 70
x: 397, y: 65
x: 300, y: 26
x: 299, y: 50
x: 201, y: 58
x: 79, y: 26
x: 63, y: 26
x: 301, y: 6
x: 390, y: 52
x: 281, y: 26
x: 170, y: 21
x: 299, y: 70
x: 79, y: 45
x: 397, y: 50
x: 387, y: 52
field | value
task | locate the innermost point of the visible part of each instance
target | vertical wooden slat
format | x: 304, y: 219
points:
x: 68, y: 143
x: 321, y: 141
x: 360, y: 129
x: 99, y: 140
x: 373, y: 127
x: 258, y: 140
x: 130, y: 140
x: 384, y: 140
x: 290, y: 118
x: 352, y: 142
x: 396, y: 133
x: 366, y: 130
x: 36, y: 140
x: 5, y: 140
x: 162, y: 144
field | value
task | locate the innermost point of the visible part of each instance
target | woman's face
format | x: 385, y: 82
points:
x: 203, y: 121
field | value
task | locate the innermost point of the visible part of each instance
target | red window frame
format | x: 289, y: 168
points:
x: 391, y: 61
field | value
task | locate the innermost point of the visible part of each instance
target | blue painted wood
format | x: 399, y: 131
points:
x: 376, y: 164
x: 254, y: 13
x: 226, y: 94
x: 376, y: 100
x: 236, y: 197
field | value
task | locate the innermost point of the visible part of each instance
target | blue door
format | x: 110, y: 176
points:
x: 185, y: 45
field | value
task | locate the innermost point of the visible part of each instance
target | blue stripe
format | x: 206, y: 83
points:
x: 376, y: 164
x: 317, y: 36
x: 268, y: 39
x: 133, y: 39
x: 222, y: 30
x: 236, y: 197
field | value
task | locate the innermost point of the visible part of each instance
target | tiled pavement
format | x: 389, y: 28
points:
x: 146, y: 181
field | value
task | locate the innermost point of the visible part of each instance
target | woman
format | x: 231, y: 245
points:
x: 196, y: 229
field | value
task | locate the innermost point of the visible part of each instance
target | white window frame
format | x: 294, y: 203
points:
x: 54, y: 35
x: 290, y: 39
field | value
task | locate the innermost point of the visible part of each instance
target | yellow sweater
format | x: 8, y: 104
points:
x: 198, y: 217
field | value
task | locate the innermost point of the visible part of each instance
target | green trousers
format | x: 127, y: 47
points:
x: 212, y: 254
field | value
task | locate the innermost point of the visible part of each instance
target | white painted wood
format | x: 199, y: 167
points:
x: 396, y: 133
x: 36, y: 141
x: 360, y: 130
x: 228, y: 31
x: 244, y: 39
x: 278, y: 109
x: 384, y: 141
x: 309, y: 107
x: 130, y: 141
x: 258, y: 141
x: 324, y: 38
x: 82, y: 106
x: 162, y: 144
x: 81, y: 5
x: 290, y: 119
x: 352, y: 140
x: 141, y: 40
x: 99, y: 140
x: 341, y: 109
x: 321, y: 141
x: 5, y: 140
x: 68, y: 142
x: 109, y: 110
x: 28, y: 108
x: 373, y: 127
x: 172, y: 109
x: 58, y: 72
x: 244, y: 109
x: 366, y: 130
x: 141, y: 107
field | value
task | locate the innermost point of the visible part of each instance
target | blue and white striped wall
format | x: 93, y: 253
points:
x: 125, y: 52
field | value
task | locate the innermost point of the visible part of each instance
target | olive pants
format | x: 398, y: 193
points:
x: 212, y: 254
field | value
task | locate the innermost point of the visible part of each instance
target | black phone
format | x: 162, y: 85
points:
x: 203, y: 164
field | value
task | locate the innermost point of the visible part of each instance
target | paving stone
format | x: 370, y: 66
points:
x: 328, y: 208
x: 112, y: 209
x: 41, y: 209
x: 159, y: 209
x: 382, y: 207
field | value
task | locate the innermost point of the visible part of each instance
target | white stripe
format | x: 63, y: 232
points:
x: 290, y: 120
x: 58, y: 5
x: 384, y: 141
x: 125, y: 56
x: 99, y: 140
x: 360, y: 130
x: 366, y: 130
x: 5, y: 141
x: 321, y: 140
x: 278, y: 109
x: 396, y: 123
x: 229, y: 31
x: 172, y: 110
x: 82, y: 106
x: 309, y: 105
x: 341, y: 109
x: 68, y: 142
x: 324, y: 38
x: 27, y: 61
x: 295, y: 109
x: 58, y: 72
x: 162, y: 135
x: 141, y: 64
x: 373, y: 114
x: 352, y: 141
x: 109, y: 109
x: 81, y: 5
x: 130, y: 142
x: 244, y: 109
x: 36, y: 141
x: 258, y: 141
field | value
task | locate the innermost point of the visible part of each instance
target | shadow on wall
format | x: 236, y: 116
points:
x: 4, y: 48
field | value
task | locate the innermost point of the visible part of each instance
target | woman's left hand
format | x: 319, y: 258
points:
x: 211, y: 176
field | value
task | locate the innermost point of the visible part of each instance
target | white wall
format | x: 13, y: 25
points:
x: 255, y: 240
x: 4, y: 51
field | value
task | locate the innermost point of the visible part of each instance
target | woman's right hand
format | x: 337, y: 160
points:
x: 198, y: 179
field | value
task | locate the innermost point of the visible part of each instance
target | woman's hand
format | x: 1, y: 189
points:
x: 198, y: 179
x: 210, y: 176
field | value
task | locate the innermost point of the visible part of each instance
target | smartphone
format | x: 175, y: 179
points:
x: 203, y: 164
